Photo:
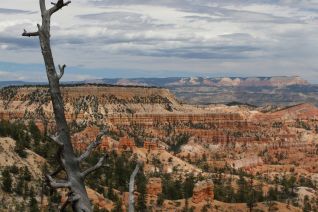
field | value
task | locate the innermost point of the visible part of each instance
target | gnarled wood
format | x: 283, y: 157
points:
x: 131, y: 188
x: 30, y: 34
x: 92, y: 146
x: 58, y: 184
x: 61, y: 68
x: 68, y: 161
x: 91, y: 169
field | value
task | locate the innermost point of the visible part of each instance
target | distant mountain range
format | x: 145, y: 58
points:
x: 10, y: 83
x: 281, y: 81
x: 259, y: 91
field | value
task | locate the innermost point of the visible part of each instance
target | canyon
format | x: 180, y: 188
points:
x: 180, y: 139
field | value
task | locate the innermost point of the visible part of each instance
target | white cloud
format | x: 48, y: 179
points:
x: 4, y: 75
x: 197, y: 36
x: 3, y: 46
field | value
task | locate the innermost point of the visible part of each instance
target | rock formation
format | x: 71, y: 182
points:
x: 126, y: 144
x: 154, y: 187
x: 203, y: 191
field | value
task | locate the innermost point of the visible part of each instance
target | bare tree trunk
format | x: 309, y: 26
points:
x: 68, y: 161
x: 131, y: 188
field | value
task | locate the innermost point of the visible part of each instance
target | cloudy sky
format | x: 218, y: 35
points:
x: 160, y: 38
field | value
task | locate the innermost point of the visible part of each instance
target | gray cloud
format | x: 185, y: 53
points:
x: 136, y: 2
x: 221, y: 14
x: 196, y: 52
x: 221, y: 36
x: 18, y: 42
x: 14, y: 11
x: 124, y: 20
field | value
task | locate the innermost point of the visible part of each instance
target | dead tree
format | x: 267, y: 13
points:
x: 131, y: 188
x: 69, y: 162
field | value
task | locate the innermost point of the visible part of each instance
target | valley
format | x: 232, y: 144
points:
x: 196, y: 157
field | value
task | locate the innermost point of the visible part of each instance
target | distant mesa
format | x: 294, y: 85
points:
x: 256, y: 91
x: 276, y: 81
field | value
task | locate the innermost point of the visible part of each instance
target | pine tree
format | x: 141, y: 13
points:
x: 160, y: 199
x: 229, y: 192
x: 292, y: 184
x: 252, y: 195
x: 20, y: 186
x: 251, y: 200
x: 26, y: 190
x: 141, y: 203
x: 142, y: 189
x: 20, y: 207
x: 186, y: 205
x: 33, y: 204
x: 118, y: 206
x: 20, y: 148
x: 110, y: 193
x: 243, y: 190
x: 35, y: 132
x: 96, y: 208
x: 307, y: 206
x: 6, y: 181
x: 26, y: 174
x: 53, y: 202
x: 188, y: 186
x: 272, y: 194
x: 206, y: 208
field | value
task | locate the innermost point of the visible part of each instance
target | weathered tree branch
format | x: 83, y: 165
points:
x: 58, y: 5
x: 30, y: 34
x: 61, y: 68
x: 88, y: 151
x: 39, y: 27
x: 55, y: 139
x: 65, y: 155
x: 92, y: 146
x: 92, y: 169
x: 131, y: 188
x: 58, y: 184
x: 74, y: 197
x: 59, y: 154
x: 42, y: 7
x: 71, y: 198
x: 58, y: 170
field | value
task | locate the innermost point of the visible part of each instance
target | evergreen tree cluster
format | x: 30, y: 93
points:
x: 18, y: 132
x: 115, y: 174
x: 247, y: 192
x: 15, y: 180
x: 174, y: 189
x: 18, y: 181
x: 27, y: 136
x: 177, y: 141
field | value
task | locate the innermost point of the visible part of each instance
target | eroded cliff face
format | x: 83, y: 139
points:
x: 175, y: 138
x: 154, y: 112
x: 154, y: 187
x: 86, y: 103
x: 203, y: 191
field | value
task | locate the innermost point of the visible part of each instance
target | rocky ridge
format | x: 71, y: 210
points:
x: 180, y: 139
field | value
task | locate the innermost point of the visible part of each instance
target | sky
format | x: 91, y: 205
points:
x: 164, y: 38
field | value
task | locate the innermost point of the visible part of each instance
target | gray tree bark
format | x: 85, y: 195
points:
x: 131, y: 188
x: 69, y: 162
